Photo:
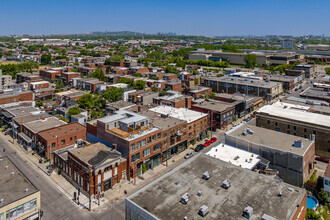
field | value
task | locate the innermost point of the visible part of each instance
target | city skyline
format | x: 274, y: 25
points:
x: 216, y: 18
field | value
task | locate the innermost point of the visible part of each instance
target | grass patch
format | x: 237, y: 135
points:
x: 313, y: 177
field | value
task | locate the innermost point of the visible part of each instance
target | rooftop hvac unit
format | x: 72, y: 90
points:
x: 225, y: 184
x: 185, y: 198
x: 267, y: 217
x: 203, y: 210
x: 248, y: 211
x: 206, y: 175
x: 199, y: 193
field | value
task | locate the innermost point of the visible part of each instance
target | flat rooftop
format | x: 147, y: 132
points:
x: 316, y: 93
x: 62, y: 131
x: 179, y: 113
x: 28, y: 118
x: 19, y: 111
x: 270, y: 138
x: 217, y: 106
x: 44, y: 124
x: 121, y: 104
x: 13, y: 187
x: 296, y: 115
x: 234, y: 156
x: 244, y: 81
x: 162, y: 197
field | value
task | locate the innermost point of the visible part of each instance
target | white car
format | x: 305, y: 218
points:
x: 188, y: 155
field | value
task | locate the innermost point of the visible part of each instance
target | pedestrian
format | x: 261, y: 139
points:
x: 4, y: 150
x: 125, y: 191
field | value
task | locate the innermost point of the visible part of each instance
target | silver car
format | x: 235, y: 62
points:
x: 188, y: 155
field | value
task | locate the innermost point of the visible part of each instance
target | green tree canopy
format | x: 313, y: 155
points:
x: 327, y: 70
x: 139, y: 85
x: 322, y: 196
x: 73, y: 111
x: 250, y: 60
x: 59, y: 84
x: 127, y: 81
x: 45, y: 59
x: 86, y: 101
x: 114, y: 94
x: 311, y: 215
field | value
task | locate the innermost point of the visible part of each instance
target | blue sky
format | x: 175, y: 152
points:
x: 193, y: 17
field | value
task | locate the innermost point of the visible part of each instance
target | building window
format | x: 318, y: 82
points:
x: 189, y: 127
x: 157, y: 147
x: 305, y: 130
x: 294, y: 133
x: 149, y: 140
x: 184, y: 127
x: 132, y: 147
x: 70, y: 138
x: 277, y: 129
x: 268, y: 122
x: 53, y: 144
x: 143, y: 142
x: 138, y: 145
x: 288, y: 132
x: 276, y: 123
x: 326, y: 182
x: 165, y: 135
x: 75, y: 137
x: 294, y: 127
x: 135, y: 157
x: 146, y: 152
x: 62, y: 141
x: 159, y: 135
x: 154, y: 138
x: 314, y: 132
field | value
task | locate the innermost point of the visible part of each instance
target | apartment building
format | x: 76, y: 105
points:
x: 296, y: 120
x: 5, y: 81
x: 38, y: 85
x: 198, y: 91
x: 135, y: 136
x: 174, y: 99
x: 220, y: 114
x: 26, y: 77
x: 308, y: 68
x: 20, y: 199
x: 59, y: 137
x: 326, y: 181
x: 12, y: 97
x: 67, y: 76
x: 291, y: 156
x: 88, y: 84
x: 197, y: 122
x: 94, y: 168
x: 174, y: 84
x: 226, y: 84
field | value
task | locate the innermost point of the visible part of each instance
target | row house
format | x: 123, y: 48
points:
x: 88, y: 84
x: 174, y: 99
x: 174, y: 84
x: 14, y: 97
x: 199, y: 92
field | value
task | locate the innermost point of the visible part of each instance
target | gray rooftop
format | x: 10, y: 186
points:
x: 13, y: 187
x: 41, y: 125
x: 217, y: 106
x: 270, y: 138
x: 244, y: 81
x: 28, y: 118
x: 161, y: 198
x: 19, y: 111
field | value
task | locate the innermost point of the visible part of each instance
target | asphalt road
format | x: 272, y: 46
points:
x: 54, y: 204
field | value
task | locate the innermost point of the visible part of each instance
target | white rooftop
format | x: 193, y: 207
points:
x: 234, y: 156
x: 297, y: 114
x: 179, y: 113
x: 119, y: 85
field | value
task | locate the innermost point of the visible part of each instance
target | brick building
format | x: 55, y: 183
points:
x: 296, y: 120
x: 38, y: 85
x: 174, y: 99
x: 199, y: 91
x: 60, y: 137
x: 7, y: 98
x: 94, y: 168
x: 174, y: 84
x: 67, y: 76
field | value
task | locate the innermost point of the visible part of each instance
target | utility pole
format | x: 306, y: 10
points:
x: 50, y: 157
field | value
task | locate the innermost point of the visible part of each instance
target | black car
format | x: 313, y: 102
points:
x: 199, y: 147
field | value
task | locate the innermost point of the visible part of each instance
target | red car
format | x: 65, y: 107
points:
x: 322, y: 159
x: 214, y: 139
x: 207, y: 143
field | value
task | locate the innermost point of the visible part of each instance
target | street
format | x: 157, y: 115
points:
x: 53, y: 203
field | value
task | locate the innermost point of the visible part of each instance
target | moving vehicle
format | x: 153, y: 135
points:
x: 199, y: 148
x: 322, y: 159
x: 188, y: 155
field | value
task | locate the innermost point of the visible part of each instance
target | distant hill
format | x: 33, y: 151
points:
x: 116, y: 33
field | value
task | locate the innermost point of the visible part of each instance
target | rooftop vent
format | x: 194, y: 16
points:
x: 206, y: 175
x: 203, y: 210
x: 12, y: 173
x: 26, y: 190
x: 177, y: 182
x: 0, y: 160
x: 185, y: 198
x: 280, y: 193
x: 6, y: 167
x: 200, y: 192
x: 1, y: 200
x: 298, y: 143
x: 248, y: 211
x: 225, y: 184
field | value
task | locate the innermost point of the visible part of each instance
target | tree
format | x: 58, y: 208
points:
x: 250, y: 60
x: 74, y: 111
x: 137, y: 74
x: 322, y: 196
x: 127, y: 81
x: 311, y: 215
x: 139, y: 85
x: 114, y: 94
x: 86, y: 101
x: 45, y: 59
x: 327, y: 70
x: 212, y: 95
x: 74, y: 70
x: 98, y: 74
x: 59, y: 84
x: 154, y: 89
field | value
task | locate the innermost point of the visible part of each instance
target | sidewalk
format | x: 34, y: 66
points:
x: 64, y: 185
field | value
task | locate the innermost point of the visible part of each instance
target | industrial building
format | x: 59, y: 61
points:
x: 207, y: 188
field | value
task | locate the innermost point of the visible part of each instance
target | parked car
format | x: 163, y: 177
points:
x: 199, y: 147
x: 322, y: 159
x: 214, y: 139
x: 249, y: 119
x: 288, y: 92
x: 207, y: 143
x: 296, y: 89
x: 188, y: 155
x: 300, y: 87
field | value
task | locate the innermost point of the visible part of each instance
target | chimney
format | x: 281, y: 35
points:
x: 139, y: 108
x: 114, y: 146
